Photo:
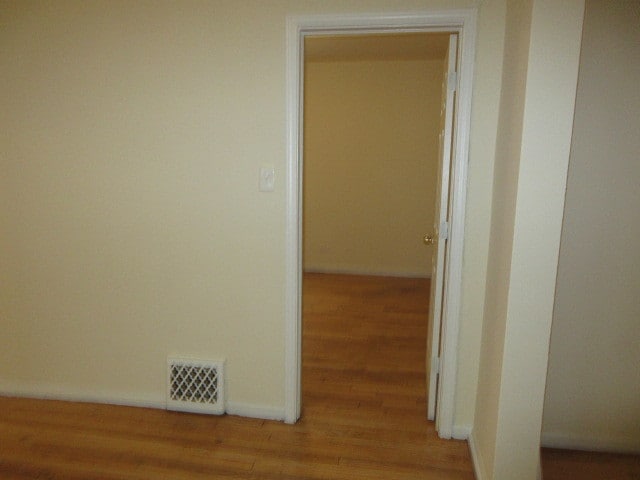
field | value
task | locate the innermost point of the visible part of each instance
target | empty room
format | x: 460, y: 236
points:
x: 170, y: 208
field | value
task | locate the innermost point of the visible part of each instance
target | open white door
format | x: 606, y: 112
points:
x: 438, y: 239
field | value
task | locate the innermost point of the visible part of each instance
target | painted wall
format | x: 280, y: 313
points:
x: 542, y: 46
x: 131, y: 139
x: 516, y: 54
x: 593, y: 384
x: 370, y: 162
x: 131, y: 226
x: 484, y: 119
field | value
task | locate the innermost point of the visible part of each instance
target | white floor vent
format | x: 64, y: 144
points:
x: 195, y: 386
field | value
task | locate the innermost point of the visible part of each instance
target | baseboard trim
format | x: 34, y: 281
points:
x: 255, y: 411
x: 82, y: 397
x: 55, y: 393
x: 461, y: 432
x: 476, y: 458
x: 592, y: 444
x: 375, y: 273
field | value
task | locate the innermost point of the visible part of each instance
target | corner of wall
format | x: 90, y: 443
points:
x: 476, y: 459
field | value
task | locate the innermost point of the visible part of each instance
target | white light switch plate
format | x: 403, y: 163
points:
x: 267, y: 179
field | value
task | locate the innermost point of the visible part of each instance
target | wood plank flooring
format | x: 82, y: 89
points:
x: 363, y: 413
x: 364, y: 353
x: 569, y: 464
x: 363, y: 410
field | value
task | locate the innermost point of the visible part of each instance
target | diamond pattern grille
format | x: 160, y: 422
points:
x: 195, y: 386
x: 191, y: 383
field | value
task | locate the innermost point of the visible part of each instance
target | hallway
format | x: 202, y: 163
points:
x: 364, y: 343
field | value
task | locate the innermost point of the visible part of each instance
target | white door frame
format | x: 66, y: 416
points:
x: 461, y: 21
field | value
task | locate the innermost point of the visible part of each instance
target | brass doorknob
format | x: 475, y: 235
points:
x: 428, y: 239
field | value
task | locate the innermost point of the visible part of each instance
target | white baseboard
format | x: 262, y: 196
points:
x: 49, y: 392
x: 255, y: 411
x: 592, y: 444
x: 476, y: 459
x: 55, y: 393
x: 461, y: 432
x: 359, y: 271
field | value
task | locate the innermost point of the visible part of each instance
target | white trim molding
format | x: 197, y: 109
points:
x: 56, y: 392
x: 461, y: 432
x: 476, y: 458
x: 254, y: 411
x: 462, y: 22
x: 64, y: 394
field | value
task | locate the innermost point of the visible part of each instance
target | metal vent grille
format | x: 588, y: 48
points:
x: 195, y: 386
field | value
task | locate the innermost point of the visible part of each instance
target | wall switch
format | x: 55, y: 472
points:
x: 267, y: 179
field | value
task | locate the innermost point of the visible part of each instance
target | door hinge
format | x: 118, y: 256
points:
x: 435, y: 365
x: 443, y: 234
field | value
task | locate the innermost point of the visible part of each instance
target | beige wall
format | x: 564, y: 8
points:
x: 484, y: 120
x: 593, y: 385
x: 370, y: 165
x: 516, y: 52
x: 131, y: 223
x: 502, y: 225
x: 536, y: 115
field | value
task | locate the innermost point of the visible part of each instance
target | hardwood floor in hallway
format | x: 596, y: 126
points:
x: 363, y: 410
x: 364, y: 350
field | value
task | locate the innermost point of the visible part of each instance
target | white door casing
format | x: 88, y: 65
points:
x: 461, y: 22
x: 441, y: 224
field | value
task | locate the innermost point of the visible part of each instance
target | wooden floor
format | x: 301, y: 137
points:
x: 567, y: 464
x: 363, y: 412
x: 364, y: 354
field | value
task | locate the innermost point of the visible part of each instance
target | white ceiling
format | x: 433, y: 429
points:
x: 406, y: 46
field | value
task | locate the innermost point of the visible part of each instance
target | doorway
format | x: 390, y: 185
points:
x: 371, y: 124
x: 461, y: 22
x: 371, y: 148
